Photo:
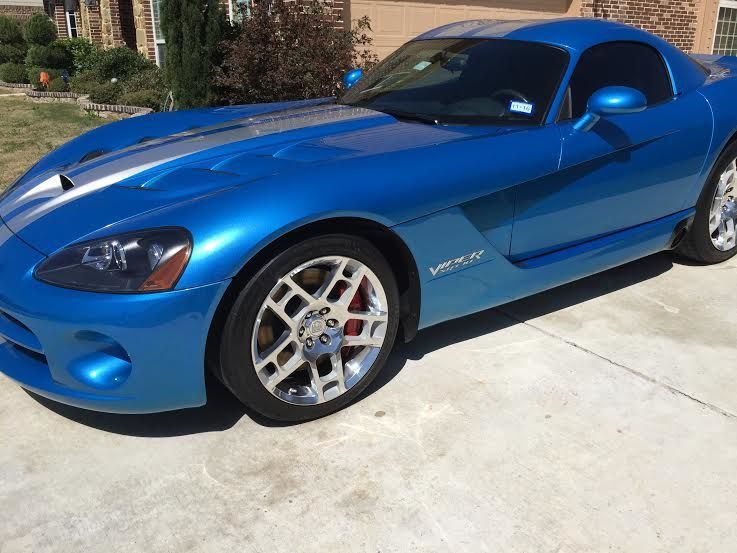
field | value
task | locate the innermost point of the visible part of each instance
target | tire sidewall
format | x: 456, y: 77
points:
x: 238, y: 372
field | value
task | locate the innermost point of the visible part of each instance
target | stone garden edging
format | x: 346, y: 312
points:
x: 3, y: 84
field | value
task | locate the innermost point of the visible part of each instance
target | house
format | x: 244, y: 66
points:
x: 704, y: 26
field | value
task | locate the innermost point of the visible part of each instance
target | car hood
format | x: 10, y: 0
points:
x: 88, y: 190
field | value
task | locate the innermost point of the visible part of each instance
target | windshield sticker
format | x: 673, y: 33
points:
x: 521, y: 107
x: 420, y: 66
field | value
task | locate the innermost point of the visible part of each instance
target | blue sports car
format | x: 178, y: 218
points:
x: 286, y: 246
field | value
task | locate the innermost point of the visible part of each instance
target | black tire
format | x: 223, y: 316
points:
x: 697, y: 244
x: 237, y: 371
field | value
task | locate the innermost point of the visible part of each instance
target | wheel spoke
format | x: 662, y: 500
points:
x: 371, y: 337
x: 722, y: 186
x: 729, y: 234
x: 339, y: 370
x: 279, y: 307
x: 353, y: 284
x: 380, y: 317
x: 316, y: 382
x: 363, y: 340
x: 270, y: 355
x: 333, y: 278
x: 714, y: 220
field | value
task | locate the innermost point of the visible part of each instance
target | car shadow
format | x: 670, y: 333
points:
x: 223, y: 410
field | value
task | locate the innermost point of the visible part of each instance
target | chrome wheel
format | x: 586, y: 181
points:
x: 723, y: 213
x: 320, y: 330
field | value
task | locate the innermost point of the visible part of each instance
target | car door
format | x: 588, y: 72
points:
x: 629, y: 169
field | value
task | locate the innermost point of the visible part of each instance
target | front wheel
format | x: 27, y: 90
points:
x: 713, y: 236
x: 312, y: 329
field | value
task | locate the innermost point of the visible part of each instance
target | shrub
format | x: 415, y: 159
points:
x: 56, y: 57
x: 193, y: 30
x: 289, y: 51
x: 34, y: 72
x: 143, y: 98
x: 140, y: 82
x: 119, y: 63
x: 84, y: 53
x: 105, y: 93
x: 58, y: 85
x: 10, y: 31
x: 12, y: 53
x: 39, y: 29
x: 84, y: 82
x: 13, y: 73
x: 150, y: 79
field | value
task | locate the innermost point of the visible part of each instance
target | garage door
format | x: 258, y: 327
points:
x: 396, y: 22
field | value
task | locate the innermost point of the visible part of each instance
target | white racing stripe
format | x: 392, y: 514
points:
x: 25, y: 204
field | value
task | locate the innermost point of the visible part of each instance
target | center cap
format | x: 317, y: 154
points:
x: 317, y: 327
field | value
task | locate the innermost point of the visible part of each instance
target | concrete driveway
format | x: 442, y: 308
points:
x: 596, y: 417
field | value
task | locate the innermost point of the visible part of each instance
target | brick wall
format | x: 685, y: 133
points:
x: 674, y: 20
x: 56, y: 10
x: 19, y: 13
x: 149, y: 27
x: 91, y: 20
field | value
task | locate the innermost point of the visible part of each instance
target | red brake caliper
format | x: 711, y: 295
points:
x: 358, y: 303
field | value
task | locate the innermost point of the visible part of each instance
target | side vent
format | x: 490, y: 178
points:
x: 66, y: 184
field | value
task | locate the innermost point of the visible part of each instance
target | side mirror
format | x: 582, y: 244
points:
x: 352, y: 77
x: 610, y: 100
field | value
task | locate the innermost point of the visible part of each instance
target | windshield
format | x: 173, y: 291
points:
x: 467, y: 81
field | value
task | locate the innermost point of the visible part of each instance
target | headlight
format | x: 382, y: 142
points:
x: 146, y: 261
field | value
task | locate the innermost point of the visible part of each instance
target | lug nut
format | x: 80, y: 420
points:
x: 310, y: 342
x: 324, y: 338
x: 324, y: 311
x: 332, y: 323
x: 301, y: 332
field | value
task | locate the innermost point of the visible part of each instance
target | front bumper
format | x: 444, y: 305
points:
x: 137, y: 353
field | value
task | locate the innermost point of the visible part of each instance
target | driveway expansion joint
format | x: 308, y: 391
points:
x: 635, y: 372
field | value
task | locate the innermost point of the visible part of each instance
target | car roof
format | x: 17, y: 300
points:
x: 574, y: 33
x: 577, y: 34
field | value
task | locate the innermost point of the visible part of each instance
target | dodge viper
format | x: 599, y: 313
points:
x: 286, y: 246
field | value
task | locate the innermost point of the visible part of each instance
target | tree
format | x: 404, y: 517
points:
x: 193, y: 30
x: 10, y: 31
x: 39, y: 30
x: 291, y: 50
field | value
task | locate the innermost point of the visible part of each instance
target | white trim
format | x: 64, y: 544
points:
x: 69, y: 23
x: 157, y: 41
x: 726, y: 4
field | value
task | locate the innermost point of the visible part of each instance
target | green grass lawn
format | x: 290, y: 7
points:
x: 29, y: 130
x: 10, y: 91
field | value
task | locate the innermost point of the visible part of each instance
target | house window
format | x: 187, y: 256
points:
x: 72, y: 24
x: 158, y: 35
x: 725, y: 39
x: 238, y: 8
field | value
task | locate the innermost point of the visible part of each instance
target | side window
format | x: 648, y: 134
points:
x: 618, y: 64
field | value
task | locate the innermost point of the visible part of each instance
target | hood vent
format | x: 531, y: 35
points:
x: 92, y: 155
